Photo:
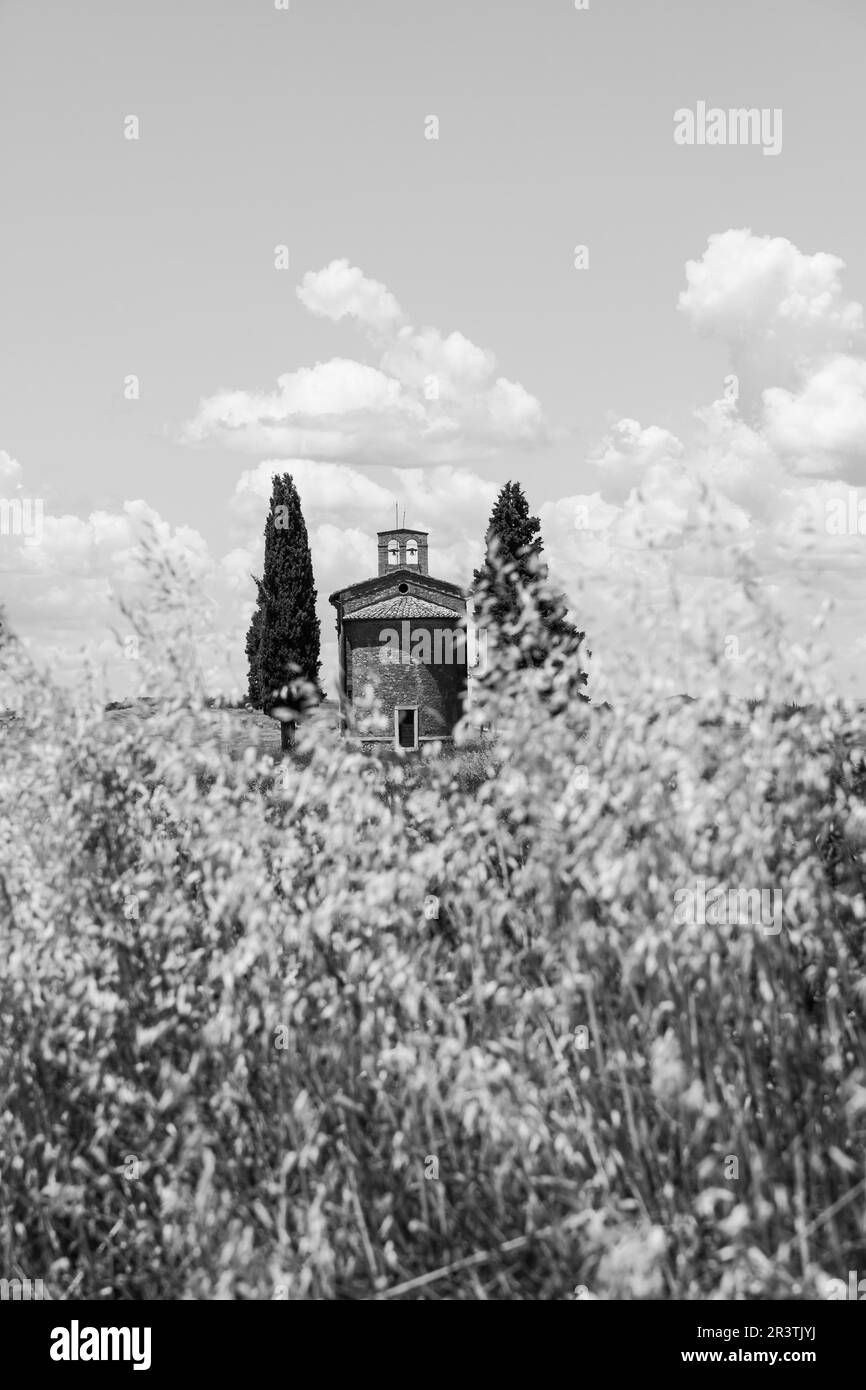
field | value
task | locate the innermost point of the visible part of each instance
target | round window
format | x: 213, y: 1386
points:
x: 404, y: 588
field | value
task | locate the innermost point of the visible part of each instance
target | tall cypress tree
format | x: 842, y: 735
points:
x: 513, y: 562
x: 253, y: 643
x: 283, y: 638
x: 514, y: 559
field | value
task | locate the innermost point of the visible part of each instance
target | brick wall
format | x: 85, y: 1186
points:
x: 402, y: 537
x: 437, y: 689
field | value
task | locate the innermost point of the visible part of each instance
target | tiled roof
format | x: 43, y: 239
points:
x: 406, y: 606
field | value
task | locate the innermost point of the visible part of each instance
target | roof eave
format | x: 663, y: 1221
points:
x: 412, y: 573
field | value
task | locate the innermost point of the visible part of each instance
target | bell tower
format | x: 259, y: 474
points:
x: 401, y: 549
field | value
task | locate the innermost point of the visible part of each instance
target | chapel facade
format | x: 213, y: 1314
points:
x: 402, y: 646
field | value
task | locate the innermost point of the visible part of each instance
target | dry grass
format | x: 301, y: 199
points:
x: 238, y: 1061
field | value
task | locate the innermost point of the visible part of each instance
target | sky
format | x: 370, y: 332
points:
x: 340, y: 239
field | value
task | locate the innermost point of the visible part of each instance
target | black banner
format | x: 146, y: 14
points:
x: 162, y: 1340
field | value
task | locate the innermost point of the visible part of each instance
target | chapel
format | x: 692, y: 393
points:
x: 402, y: 647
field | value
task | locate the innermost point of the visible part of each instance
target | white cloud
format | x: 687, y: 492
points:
x: 820, y: 430
x: 775, y: 306
x: 765, y: 470
x: 64, y: 585
x: 627, y: 453
x: 340, y: 290
x: 796, y: 344
x: 432, y: 399
x: 10, y: 471
x: 450, y: 502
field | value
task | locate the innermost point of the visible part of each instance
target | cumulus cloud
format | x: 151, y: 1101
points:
x: 821, y: 428
x: 10, y: 471
x: 775, y: 306
x: 64, y: 583
x: 628, y: 453
x: 430, y: 398
x: 447, y: 501
x: 100, y: 550
x: 779, y: 473
x: 796, y: 344
x: 341, y: 289
x: 737, y: 461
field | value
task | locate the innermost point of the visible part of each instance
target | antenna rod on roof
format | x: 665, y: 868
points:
x: 404, y: 518
x: 396, y: 518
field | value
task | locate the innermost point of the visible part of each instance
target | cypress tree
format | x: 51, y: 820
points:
x: 282, y: 642
x: 513, y: 562
x: 252, y: 651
